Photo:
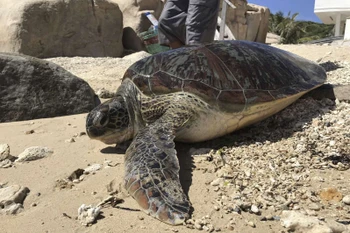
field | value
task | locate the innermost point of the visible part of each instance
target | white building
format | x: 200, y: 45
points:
x: 335, y: 12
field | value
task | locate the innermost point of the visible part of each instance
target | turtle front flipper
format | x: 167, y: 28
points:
x: 152, y: 174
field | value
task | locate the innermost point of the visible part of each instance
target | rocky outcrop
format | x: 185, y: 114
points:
x: 248, y: 21
x: 52, y: 28
x: 33, y: 88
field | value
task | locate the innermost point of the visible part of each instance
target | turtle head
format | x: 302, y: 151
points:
x: 110, y: 122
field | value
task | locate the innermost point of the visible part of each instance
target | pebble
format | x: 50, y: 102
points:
x: 311, y: 212
x: 251, y: 223
x: 314, y: 136
x: 332, y: 143
x: 255, y: 209
x: 314, y: 206
x: 70, y: 140
x: 82, y: 134
x: 217, y: 208
x: 346, y: 200
x: 198, y: 226
x: 217, y: 182
x: 30, y: 131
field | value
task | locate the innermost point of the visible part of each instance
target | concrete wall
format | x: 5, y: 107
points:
x: 333, y: 12
x: 347, y: 29
x: 327, y: 10
x: 332, y: 5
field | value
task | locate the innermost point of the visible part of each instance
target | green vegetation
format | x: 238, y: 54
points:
x: 293, y: 31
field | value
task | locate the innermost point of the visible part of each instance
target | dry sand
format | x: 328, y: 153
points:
x: 48, y: 208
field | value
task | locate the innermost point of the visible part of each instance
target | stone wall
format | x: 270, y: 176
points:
x: 248, y: 21
x: 51, y: 28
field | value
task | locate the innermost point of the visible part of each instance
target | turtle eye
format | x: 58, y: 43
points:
x: 103, y: 121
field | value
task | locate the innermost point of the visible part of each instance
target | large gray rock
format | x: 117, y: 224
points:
x: 248, y: 21
x: 52, y: 28
x: 32, y: 88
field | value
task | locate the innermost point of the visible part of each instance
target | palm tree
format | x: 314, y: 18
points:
x: 289, y: 29
x: 275, y: 20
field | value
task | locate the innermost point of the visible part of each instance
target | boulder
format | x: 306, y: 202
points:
x: 135, y: 20
x: 32, y: 88
x: 52, y: 28
x: 248, y: 21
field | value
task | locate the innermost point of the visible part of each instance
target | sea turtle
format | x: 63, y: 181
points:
x: 193, y: 94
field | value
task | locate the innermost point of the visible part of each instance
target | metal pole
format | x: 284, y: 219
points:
x: 337, y: 25
x: 223, y: 20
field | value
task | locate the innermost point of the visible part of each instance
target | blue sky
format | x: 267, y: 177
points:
x: 305, y: 8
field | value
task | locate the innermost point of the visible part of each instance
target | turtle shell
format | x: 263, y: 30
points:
x: 227, y: 73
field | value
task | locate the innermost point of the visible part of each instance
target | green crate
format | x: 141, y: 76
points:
x: 150, y: 39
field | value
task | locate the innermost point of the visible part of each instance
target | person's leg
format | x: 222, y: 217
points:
x: 171, y: 28
x: 201, y: 21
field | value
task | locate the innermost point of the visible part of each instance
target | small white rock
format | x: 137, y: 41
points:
x: 88, y: 214
x: 4, y: 151
x: 34, y: 153
x: 346, y: 199
x: 93, y: 168
x: 254, y: 209
x: 332, y: 143
x: 251, y: 223
x: 314, y: 206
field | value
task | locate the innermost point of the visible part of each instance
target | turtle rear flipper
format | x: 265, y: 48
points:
x: 152, y: 174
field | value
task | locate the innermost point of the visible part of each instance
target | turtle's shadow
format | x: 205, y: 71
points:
x: 186, y: 165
